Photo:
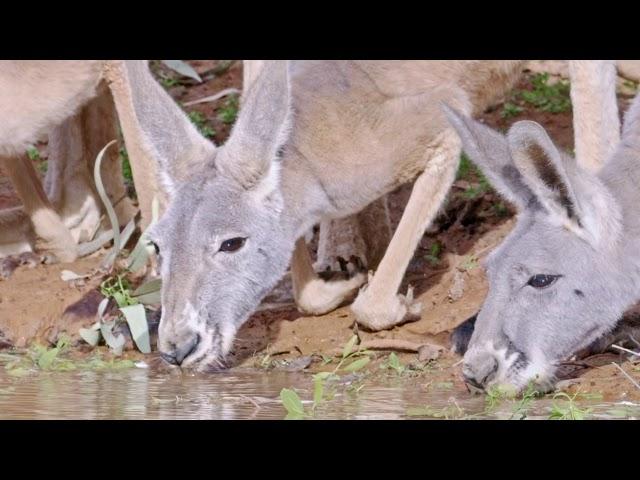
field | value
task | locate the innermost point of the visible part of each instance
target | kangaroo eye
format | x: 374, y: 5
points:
x: 542, y: 281
x: 156, y: 247
x: 233, y: 244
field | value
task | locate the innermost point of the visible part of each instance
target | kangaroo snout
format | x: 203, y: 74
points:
x: 178, y: 352
x: 480, y: 369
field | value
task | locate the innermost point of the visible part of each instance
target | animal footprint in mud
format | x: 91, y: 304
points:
x: 343, y: 269
x: 9, y: 264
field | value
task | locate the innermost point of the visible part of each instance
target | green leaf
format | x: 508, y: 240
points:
x: 136, y: 317
x: 45, y: 360
x: 318, y: 390
x: 348, y: 348
x: 323, y: 375
x: 291, y: 402
x: 183, y: 69
x: 357, y: 364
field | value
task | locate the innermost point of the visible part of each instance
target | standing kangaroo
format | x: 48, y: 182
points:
x: 314, y: 140
x: 69, y: 102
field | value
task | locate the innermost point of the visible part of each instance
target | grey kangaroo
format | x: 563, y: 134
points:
x: 566, y: 273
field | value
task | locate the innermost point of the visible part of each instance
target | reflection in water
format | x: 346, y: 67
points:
x: 238, y: 394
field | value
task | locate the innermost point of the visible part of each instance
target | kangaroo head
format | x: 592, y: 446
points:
x: 554, y: 283
x: 222, y: 241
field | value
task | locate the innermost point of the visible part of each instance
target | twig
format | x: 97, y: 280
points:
x: 213, y: 98
x: 626, y: 350
x: 637, y: 385
x: 390, y: 344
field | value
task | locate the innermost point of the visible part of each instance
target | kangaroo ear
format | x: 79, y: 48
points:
x: 251, y: 155
x: 571, y: 196
x: 544, y: 170
x: 489, y: 150
x: 154, y: 126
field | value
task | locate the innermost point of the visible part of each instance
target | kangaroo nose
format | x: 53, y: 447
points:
x: 480, y: 370
x: 181, y: 351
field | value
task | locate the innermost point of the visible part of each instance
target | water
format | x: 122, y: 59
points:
x: 140, y: 393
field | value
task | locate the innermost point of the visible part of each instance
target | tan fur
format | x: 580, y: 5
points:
x: 402, y: 148
x: 66, y: 101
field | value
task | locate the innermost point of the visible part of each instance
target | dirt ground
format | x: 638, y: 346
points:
x: 35, y: 304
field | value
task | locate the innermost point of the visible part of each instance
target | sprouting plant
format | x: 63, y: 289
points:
x: 355, y: 360
x: 433, y: 257
x: 119, y: 289
x: 568, y: 410
x: 33, y: 153
x: 521, y: 408
x: 469, y: 263
x: 500, y: 209
x: 465, y: 167
x: 510, y: 110
x: 451, y: 411
x: 393, y: 363
x: 200, y: 121
x: 126, y: 165
x: 229, y: 111
x: 496, y: 394
x: 552, y: 98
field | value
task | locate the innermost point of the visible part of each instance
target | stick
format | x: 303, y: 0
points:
x: 213, y: 98
x: 626, y: 350
x: 637, y: 385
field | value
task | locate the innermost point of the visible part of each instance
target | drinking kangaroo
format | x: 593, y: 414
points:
x: 314, y: 141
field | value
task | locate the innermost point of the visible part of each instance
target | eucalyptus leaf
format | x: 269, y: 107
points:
x: 357, y: 364
x: 291, y: 402
x: 183, y: 69
x: 348, y: 348
x: 151, y: 286
x: 136, y: 317
x: 90, y: 335
x: 115, y: 342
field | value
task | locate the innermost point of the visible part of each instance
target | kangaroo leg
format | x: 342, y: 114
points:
x: 364, y: 236
x: 314, y: 295
x: 16, y: 232
x: 595, y: 111
x: 46, y: 222
x: 73, y: 147
x: 378, y: 306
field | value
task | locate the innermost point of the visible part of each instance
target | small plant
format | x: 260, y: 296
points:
x: 464, y: 168
x: 119, y: 289
x: 470, y: 263
x: 552, y: 98
x: 393, y: 363
x: 199, y: 120
x: 33, y: 153
x: 522, y: 407
x: 229, y: 111
x: 500, y: 209
x: 434, y: 253
x: 356, y: 358
x: 126, y: 165
x: 568, y: 410
x: 451, y: 411
x: 497, y: 394
x: 510, y: 110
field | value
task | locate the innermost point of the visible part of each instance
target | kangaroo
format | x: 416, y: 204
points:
x: 314, y: 140
x: 68, y: 101
x: 567, y: 272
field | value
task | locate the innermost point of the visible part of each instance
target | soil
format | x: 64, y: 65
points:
x: 35, y: 304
